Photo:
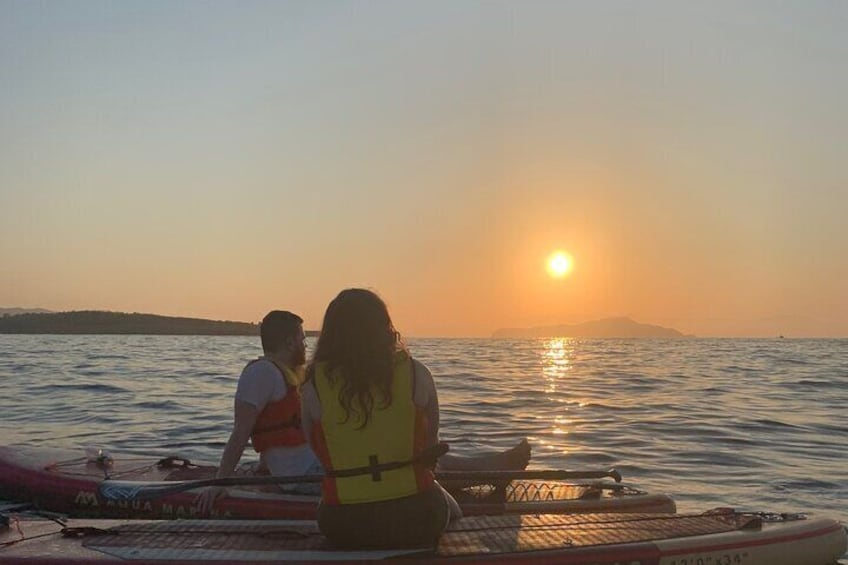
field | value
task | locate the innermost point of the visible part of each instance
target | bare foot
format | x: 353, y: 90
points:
x: 516, y: 458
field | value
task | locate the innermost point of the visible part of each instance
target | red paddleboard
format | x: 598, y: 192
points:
x: 63, y: 480
x: 722, y: 538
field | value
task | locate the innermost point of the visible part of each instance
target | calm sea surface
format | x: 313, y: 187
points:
x: 754, y: 424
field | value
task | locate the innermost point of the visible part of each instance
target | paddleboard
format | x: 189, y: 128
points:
x: 63, y: 480
x: 714, y: 538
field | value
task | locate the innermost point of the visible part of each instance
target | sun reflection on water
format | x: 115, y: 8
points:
x: 555, y: 362
x: 557, y: 358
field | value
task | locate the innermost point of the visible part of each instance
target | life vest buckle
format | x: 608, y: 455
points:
x: 376, y: 475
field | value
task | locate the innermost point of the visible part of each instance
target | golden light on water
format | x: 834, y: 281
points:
x: 560, y: 264
x: 556, y: 358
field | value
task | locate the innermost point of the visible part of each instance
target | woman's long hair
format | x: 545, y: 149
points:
x: 358, y: 343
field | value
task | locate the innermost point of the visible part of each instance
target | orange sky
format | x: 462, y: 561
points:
x: 179, y: 160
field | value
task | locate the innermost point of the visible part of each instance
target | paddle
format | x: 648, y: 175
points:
x: 540, y: 475
x: 137, y: 490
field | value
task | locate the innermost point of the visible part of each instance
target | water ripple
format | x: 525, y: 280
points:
x: 757, y: 424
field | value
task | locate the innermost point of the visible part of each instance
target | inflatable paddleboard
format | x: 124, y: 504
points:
x: 63, y: 480
x: 715, y: 538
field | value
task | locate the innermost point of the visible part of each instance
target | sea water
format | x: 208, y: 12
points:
x: 756, y: 424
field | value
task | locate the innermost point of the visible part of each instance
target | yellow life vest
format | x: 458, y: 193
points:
x: 375, y: 462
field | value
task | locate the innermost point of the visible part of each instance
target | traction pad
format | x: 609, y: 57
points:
x: 541, y: 491
x: 483, y: 535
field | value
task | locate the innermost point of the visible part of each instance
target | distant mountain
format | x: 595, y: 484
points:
x: 608, y: 327
x: 98, y: 322
x: 16, y: 311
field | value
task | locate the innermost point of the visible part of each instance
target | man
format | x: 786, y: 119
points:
x: 267, y: 409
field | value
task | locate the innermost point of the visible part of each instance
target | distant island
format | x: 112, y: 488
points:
x: 608, y: 327
x: 100, y: 322
x: 16, y: 311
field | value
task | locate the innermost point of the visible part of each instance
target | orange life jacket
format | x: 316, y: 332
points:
x: 278, y: 425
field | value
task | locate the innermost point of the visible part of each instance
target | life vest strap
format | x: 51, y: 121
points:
x: 294, y: 422
x: 427, y: 457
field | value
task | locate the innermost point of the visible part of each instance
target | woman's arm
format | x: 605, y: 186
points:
x: 426, y: 397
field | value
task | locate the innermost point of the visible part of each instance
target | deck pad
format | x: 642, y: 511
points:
x: 542, y: 491
x: 483, y: 535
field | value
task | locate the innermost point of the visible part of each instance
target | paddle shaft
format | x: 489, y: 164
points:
x: 542, y: 475
x: 134, y: 490
x: 137, y: 490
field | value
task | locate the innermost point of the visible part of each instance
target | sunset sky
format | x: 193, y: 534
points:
x: 220, y: 159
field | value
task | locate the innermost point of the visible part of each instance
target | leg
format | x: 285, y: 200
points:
x: 454, y: 511
x: 514, y: 458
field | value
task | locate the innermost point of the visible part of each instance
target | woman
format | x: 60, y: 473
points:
x: 370, y: 411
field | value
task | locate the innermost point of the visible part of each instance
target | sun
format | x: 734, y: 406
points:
x: 560, y: 264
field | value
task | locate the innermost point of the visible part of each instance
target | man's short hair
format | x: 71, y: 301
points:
x: 276, y: 327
